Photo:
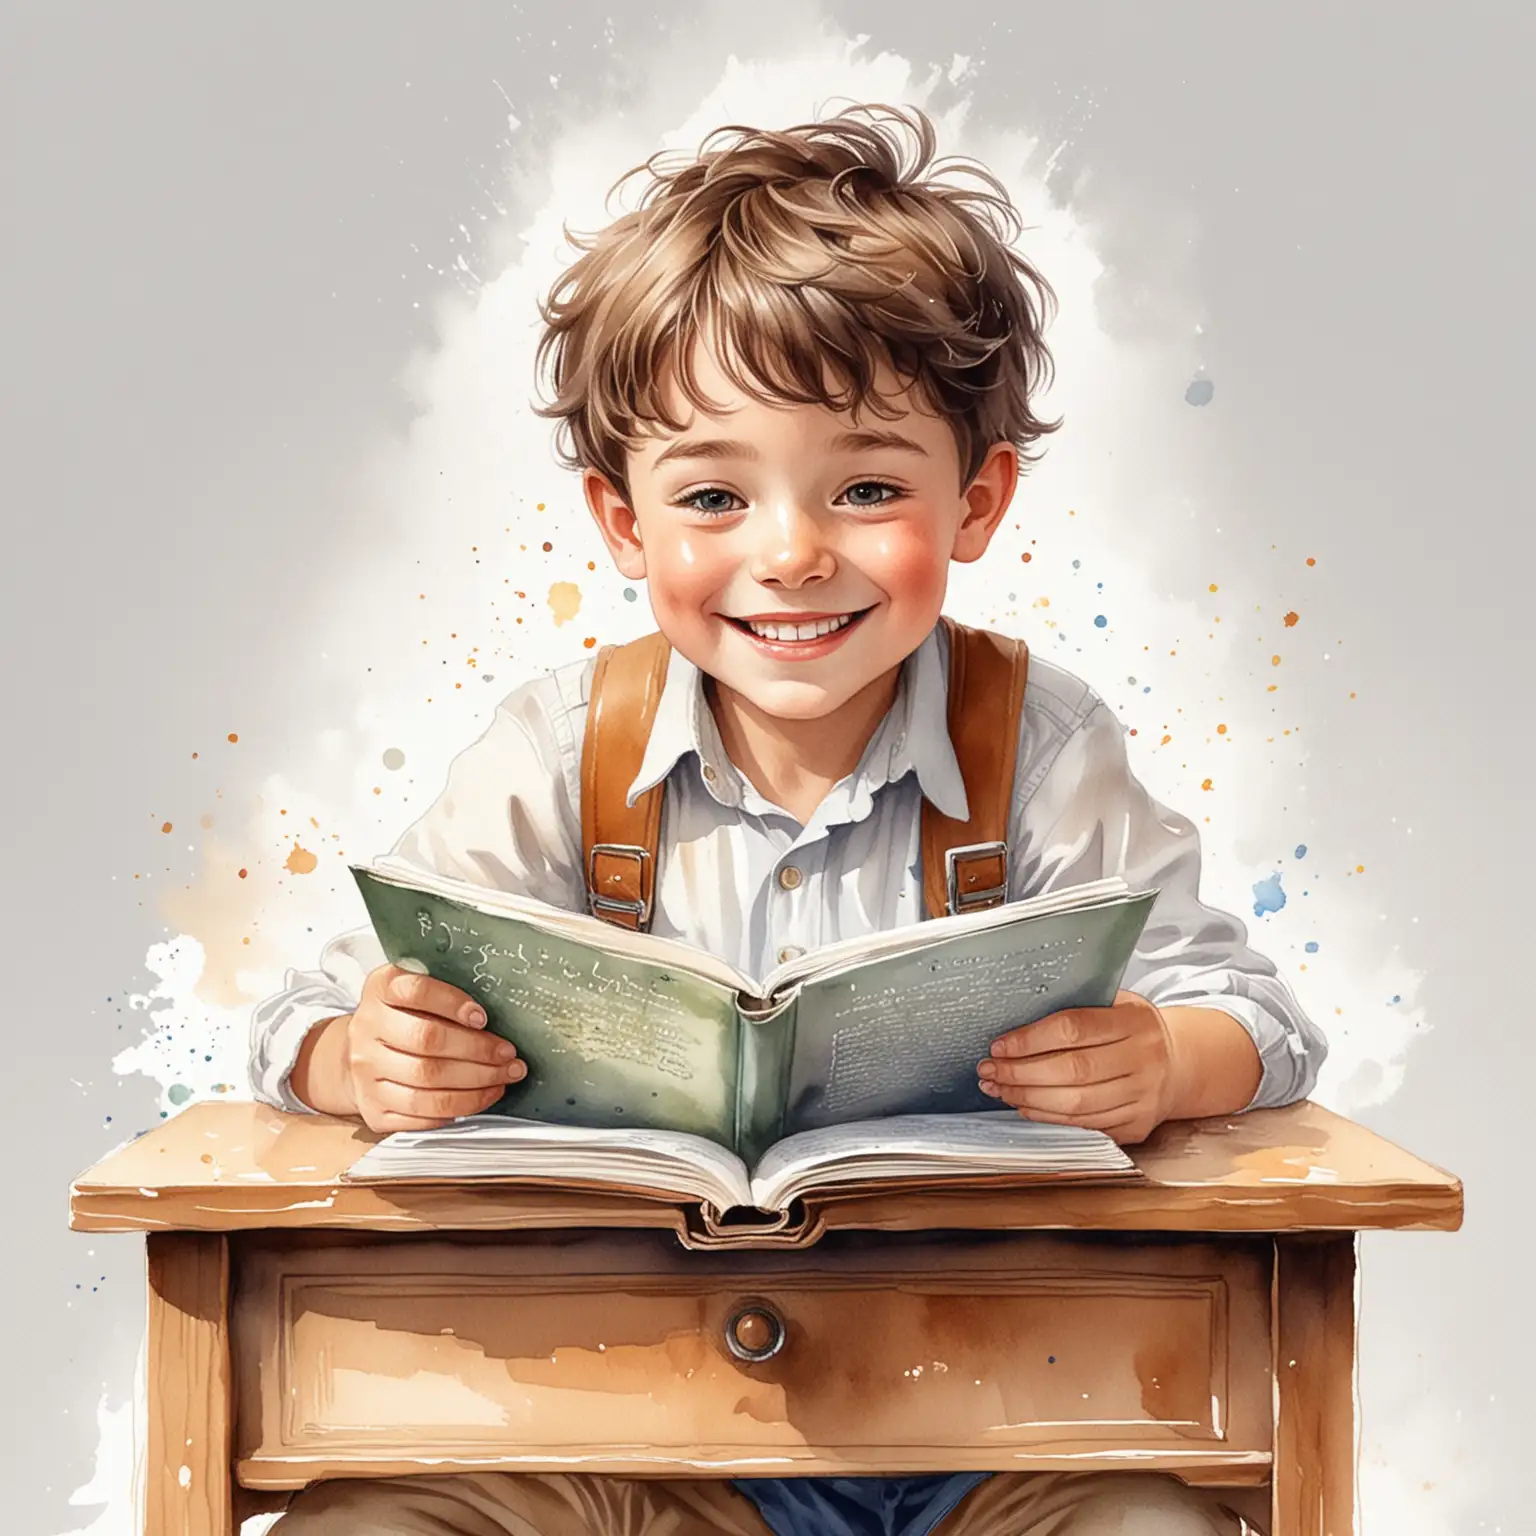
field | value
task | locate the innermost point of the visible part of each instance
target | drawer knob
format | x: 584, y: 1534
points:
x: 754, y: 1331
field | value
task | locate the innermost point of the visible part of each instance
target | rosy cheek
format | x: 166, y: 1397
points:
x: 905, y: 561
x: 685, y: 573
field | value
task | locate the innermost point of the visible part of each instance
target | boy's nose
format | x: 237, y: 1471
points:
x: 792, y: 549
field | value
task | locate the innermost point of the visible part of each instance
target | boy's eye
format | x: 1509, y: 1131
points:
x: 871, y: 493
x: 709, y: 499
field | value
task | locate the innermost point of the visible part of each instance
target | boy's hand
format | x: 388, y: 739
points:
x: 414, y: 1056
x: 1125, y: 1069
x: 1109, y: 1069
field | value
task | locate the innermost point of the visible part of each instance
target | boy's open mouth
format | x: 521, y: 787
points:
x: 796, y: 630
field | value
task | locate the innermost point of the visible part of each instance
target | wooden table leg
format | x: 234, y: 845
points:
x: 188, y: 1478
x: 1314, y: 1311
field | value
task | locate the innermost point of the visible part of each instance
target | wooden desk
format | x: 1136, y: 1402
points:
x: 1201, y: 1321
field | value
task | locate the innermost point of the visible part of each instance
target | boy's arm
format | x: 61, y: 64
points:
x: 1224, y: 1033
x: 508, y: 818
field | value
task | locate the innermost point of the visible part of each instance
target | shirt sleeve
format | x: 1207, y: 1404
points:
x: 1089, y: 817
x: 509, y: 818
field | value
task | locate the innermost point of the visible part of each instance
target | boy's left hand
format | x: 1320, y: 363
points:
x: 1109, y: 1069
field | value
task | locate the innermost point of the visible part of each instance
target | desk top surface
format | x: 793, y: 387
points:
x: 240, y: 1166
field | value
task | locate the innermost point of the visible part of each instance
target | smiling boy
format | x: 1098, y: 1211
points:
x: 797, y: 383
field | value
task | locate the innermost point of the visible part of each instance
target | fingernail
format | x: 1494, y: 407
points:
x: 474, y: 1016
x: 990, y: 1089
x: 505, y: 1050
x: 516, y: 1071
x: 986, y: 1069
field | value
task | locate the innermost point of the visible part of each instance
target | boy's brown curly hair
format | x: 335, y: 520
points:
x: 804, y: 258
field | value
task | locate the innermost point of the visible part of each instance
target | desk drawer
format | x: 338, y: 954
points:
x: 612, y: 1353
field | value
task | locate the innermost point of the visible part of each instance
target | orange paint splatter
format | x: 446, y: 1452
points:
x: 1310, y: 560
x: 1221, y: 730
x: 1205, y: 784
x: 1164, y: 742
x: 244, y: 873
x: 1274, y: 661
x: 547, y: 546
x: 233, y: 736
x: 564, y: 601
x: 1292, y: 619
x: 165, y: 826
x: 1213, y: 587
x: 589, y: 642
x: 301, y: 861
x: 538, y: 506
x: 1026, y: 557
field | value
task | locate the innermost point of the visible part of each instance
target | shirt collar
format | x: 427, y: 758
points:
x: 913, y: 737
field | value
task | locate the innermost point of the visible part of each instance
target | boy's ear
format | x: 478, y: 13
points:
x: 616, y: 522
x: 986, y: 500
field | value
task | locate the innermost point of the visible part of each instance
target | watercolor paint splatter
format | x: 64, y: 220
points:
x: 564, y: 600
x: 1268, y: 895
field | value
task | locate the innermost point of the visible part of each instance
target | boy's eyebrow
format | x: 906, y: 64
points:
x: 868, y: 437
x: 707, y: 448
x: 856, y: 441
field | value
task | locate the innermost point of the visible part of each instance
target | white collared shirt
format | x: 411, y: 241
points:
x: 740, y: 877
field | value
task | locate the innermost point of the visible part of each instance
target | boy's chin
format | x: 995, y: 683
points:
x: 792, y: 701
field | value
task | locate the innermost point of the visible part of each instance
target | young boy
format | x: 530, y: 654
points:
x: 797, y: 382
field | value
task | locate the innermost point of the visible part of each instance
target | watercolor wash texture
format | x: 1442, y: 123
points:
x: 484, y: 568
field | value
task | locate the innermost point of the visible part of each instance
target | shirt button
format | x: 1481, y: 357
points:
x: 789, y: 877
x: 790, y: 952
x: 709, y: 773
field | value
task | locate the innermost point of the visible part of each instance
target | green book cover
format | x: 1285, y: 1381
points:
x: 629, y: 1030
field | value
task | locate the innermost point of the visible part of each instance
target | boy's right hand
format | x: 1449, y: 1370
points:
x: 414, y: 1056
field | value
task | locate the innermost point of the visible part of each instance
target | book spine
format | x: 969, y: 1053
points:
x: 767, y: 1049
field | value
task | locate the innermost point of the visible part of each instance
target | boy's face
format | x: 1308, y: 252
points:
x: 792, y: 554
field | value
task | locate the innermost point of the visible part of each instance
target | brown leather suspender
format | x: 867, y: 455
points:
x: 619, y: 841
x: 965, y: 863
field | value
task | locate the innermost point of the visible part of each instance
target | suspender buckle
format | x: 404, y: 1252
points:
x: 964, y: 870
x: 636, y: 911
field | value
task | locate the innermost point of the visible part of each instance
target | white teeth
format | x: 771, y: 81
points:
x: 808, y: 631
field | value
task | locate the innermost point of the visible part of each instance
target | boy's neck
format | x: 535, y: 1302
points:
x: 794, y: 763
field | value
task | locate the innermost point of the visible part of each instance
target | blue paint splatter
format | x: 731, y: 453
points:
x: 1147, y: 689
x: 1268, y: 896
x: 1200, y: 392
x: 1301, y: 850
x: 1099, y: 621
x: 630, y: 594
x: 1397, y: 997
x: 1312, y: 946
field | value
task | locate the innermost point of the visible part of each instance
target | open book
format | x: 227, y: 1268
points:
x: 624, y: 1029
x: 931, y: 1148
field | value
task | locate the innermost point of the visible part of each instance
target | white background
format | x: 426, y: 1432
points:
x: 266, y: 287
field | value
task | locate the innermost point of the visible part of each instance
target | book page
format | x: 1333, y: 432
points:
x: 610, y: 1040
x: 990, y: 1141
x: 903, y: 1034
x: 499, y: 1146
x: 580, y: 926
x: 832, y: 959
